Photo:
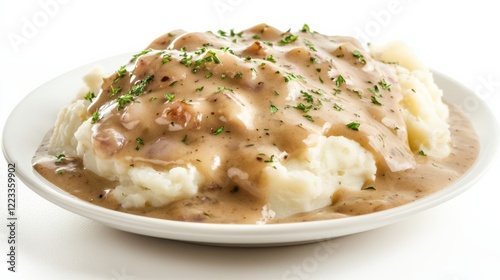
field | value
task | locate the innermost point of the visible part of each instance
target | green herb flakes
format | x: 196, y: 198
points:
x: 135, y: 56
x: 95, y: 117
x: 353, y: 126
x: 169, y: 97
x: 89, y: 96
x: 375, y: 101
x: 60, y: 158
x: 218, y: 131
x: 340, y: 80
x: 288, y: 39
x: 359, y: 56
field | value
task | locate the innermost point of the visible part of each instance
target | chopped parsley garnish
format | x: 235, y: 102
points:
x: 292, y: 77
x: 214, y: 57
x: 226, y: 49
x: 375, y: 90
x: 353, y: 125
x: 422, y: 153
x: 318, y: 91
x: 166, y: 58
x: 307, y: 97
x: 303, y: 107
x: 310, y: 45
x: 305, y: 28
x: 309, y: 118
x: 338, y: 107
x: 95, y: 117
x: 186, y: 60
x: 239, y: 34
x: 222, y: 88
x: 271, y: 58
x: 208, y: 75
x: 169, y: 97
x: 385, y: 85
x: 314, y: 60
x: 218, y: 131
x: 89, y: 96
x: 60, y: 158
x: 288, y: 39
x: 114, y: 90
x: 340, y: 80
x: 375, y: 101
x: 238, y: 75
x: 199, y: 89
x: 139, y: 143
x: 271, y: 159
x: 138, y: 88
x: 120, y: 74
x: 124, y: 100
x: 135, y: 56
x: 273, y: 108
x: 359, y: 56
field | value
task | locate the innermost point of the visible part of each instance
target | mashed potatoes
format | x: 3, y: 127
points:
x: 289, y: 118
x: 311, y: 178
x: 425, y: 115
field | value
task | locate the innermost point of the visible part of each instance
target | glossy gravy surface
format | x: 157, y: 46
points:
x: 247, y: 99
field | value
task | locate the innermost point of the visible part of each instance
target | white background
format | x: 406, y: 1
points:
x: 456, y: 240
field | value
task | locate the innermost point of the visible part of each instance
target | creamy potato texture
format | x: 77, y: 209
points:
x: 258, y: 126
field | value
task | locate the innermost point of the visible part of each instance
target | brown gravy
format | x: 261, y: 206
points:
x: 223, y: 205
x: 209, y: 97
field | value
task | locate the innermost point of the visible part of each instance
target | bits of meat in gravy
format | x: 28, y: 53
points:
x: 250, y: 98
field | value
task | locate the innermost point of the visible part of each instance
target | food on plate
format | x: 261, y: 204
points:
x: 258, y: 126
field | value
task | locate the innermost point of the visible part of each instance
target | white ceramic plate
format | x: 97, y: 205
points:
x: 36, y: 114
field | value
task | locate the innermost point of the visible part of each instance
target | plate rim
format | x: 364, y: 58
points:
x: 237, y: 234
